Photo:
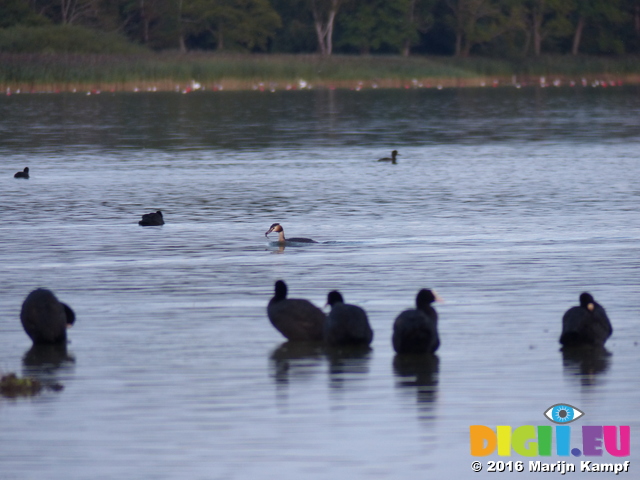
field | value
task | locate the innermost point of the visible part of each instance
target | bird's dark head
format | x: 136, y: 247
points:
x: 587, y: 301
x: 425, y: 298
x: 159, y: 212
x: 334, y: 297
x: 281, y: 290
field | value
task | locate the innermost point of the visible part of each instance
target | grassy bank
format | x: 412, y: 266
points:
x: 170, y: 71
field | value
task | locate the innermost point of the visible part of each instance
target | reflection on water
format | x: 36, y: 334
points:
x: 347, y: 363
x: 49, y: 364
x: 587, y: 363
x: 293, y: 361
x: 419, y: 372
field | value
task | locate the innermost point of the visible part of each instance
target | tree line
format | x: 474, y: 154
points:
x: 499, y: 28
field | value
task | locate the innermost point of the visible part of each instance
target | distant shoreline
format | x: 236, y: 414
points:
x: 553, y: 81
x: 173, y: 72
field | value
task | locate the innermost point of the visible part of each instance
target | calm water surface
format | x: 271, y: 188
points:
x: 508, y: 202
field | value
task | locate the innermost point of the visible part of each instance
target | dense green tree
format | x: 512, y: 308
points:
x: 545, y: 19
x: 419, y: 18
x: 383, y: 25
x: 18, y: 12
x: 244, y: 24
x: 461, y: 27
x: 597, y: 14
x: 297, y: 34
x: 477, y: 21
x: 631, y: 30
x: 368, y: 25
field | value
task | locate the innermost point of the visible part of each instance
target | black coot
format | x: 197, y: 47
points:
x: 152, y: 219
x: 22, y: 174
x: 585, y: 325
x: 44, y: 318
x: 346, y: 324
x: 416, y: 330
x: 296, y: 319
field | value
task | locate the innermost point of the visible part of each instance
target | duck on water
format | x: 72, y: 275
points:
x: 585, y: 325
x: 391, y: 159
x: 276, y: 227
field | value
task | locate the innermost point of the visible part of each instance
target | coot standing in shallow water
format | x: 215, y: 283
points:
x: 586, y: 325
x: 44, y: 318
x: 391, y: 159
x: 296, y: 319
x: 346, y: 324
x: 416, y: 330
x: 22, y: 174
x: 152, y: 219
x: 276, y: 227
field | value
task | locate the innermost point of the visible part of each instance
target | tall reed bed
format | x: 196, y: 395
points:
x: 168, y: 69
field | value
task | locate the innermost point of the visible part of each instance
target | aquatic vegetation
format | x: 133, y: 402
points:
x: 11, y: 386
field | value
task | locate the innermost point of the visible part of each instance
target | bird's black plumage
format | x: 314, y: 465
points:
x: 346, y: 324
x: 296, y: 319
x: 152, y: 219
x: 587, y: 324
x: 416, y: 330
x: 22, y: 174
x: 44, y: 318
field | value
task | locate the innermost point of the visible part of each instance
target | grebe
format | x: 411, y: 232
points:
x: 152, y: 219
x: 346, y: 324
x: 22, y: 174
x: 276, y: 227
x: 391, y: 159
x: 44, y: 318
x: 587, y: 324
x: 416, y: 330
x: 296, y: 319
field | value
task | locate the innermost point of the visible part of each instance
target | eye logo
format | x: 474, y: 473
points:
x: 562, y: 413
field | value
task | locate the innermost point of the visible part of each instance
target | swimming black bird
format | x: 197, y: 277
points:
x: 22, y: 174
x: 416, y: 330
x: 276, y: 227
x: 587, y: 324
x: 296, y: 319
x: 44, y: 318
x: 152, y: 219
x: 346, y: 324
x: 391, y: 159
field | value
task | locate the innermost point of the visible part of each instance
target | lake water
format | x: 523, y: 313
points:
x: 509, y: 203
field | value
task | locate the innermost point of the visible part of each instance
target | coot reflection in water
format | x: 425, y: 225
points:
x: 47, y: 362
x: 347, y: 363
x: 587, y: 363
x: 419, y: 371
x: 295, y: 360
